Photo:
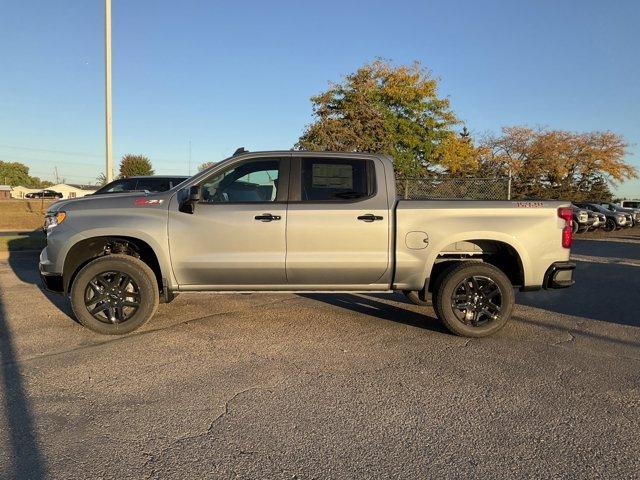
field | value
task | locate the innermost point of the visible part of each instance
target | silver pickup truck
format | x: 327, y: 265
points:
x: 301, y: 221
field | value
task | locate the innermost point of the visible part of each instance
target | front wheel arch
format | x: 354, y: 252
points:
x: 84, y: 251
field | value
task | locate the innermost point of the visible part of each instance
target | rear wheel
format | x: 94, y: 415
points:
x: 474, y: 299
x: 115, y: 294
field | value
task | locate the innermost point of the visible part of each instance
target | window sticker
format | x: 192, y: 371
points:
x: 329, y: 175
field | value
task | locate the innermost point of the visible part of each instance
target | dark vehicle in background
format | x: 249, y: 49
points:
x: 44, y: 194
x: 152, y: 183
x: 614, y: 220
x: 634, y: 212
x: 582, y: 221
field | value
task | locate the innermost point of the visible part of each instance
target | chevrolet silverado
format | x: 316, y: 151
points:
x: 302, y: 221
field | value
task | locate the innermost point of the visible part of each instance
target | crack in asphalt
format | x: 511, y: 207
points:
x: 153, y: 457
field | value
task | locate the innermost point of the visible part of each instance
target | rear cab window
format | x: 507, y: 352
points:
x: 336, y: 180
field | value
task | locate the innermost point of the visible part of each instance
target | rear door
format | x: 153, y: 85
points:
x: 337, y: 222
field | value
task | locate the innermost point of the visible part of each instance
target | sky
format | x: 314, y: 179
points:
x: 221, y: 75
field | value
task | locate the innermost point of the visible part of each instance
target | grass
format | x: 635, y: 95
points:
x: 22, y: 215
x: 14, y: 243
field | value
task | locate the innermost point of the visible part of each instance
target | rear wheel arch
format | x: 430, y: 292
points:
x: 84, y: 251
x: 501, y: 255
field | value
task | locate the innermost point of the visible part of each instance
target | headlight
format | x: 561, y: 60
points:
x: 53, y: 220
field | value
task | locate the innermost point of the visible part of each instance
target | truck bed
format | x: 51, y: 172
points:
x: 429, y: 231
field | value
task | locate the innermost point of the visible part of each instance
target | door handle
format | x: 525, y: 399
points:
x: 267, y: 217
x: 369, y: 217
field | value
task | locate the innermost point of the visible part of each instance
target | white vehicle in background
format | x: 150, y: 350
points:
x: 630, y: 203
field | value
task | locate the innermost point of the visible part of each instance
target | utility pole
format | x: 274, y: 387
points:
x: 107, y: 88
x: 55, y: 174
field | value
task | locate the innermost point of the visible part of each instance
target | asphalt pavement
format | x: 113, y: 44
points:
x: 290, y: 386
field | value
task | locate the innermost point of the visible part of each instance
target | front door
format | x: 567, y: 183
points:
x: 337, y: 223
x: 236, y: 232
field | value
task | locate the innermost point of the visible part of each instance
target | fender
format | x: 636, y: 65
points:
x: 510, y: 240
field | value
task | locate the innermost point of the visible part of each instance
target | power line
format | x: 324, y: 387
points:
x: 45, y: 150
x: 30, y: 158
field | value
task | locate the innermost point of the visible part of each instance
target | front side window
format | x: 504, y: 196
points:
x: 335, y: 179
x: 252, y: 182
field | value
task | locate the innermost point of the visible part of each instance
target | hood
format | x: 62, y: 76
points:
x: 121, y: 200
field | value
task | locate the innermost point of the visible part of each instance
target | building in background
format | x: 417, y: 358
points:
x: 5, y: 192
x: 68, y: 190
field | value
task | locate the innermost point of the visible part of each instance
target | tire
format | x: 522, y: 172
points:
x: 414, y: 297
x: 128, y: 281
x: 610, y: 225
x: 575, y: 227
x: 487, y: 279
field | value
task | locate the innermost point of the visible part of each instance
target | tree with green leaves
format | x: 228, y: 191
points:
x: 388, y: 109
x: 135, y: 165
x: 16, y: 173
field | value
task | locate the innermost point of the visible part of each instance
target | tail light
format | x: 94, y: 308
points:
x: 567, y: 232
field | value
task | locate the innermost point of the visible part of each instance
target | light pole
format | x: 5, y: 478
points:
x: 107, y: 88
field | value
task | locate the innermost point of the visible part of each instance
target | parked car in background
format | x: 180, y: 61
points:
x: 614, y: 220
x: 600, y: 220
x: 44, y: 194
x: 630, y: 203
x: 634, y: 212
x: 581, y: 219
x: 151, y: 183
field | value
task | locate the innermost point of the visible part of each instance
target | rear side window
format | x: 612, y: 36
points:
x: 336, y: 180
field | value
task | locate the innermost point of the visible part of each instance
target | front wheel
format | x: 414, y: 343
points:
x: 474, y: 299
x: 114, y: 294
x: 610, y: 225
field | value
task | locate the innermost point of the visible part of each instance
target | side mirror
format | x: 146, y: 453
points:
x: 194, y: 193
x: 189, y: 198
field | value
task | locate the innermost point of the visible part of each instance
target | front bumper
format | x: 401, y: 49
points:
x: 51, y: 280
x: 559, y: 275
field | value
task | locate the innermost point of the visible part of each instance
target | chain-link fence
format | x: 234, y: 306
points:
x: 452, y: 188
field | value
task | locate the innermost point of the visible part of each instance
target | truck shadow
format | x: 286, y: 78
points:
x: 370, y: 304
x: 607, y: 292
x: 24, y: 453
x: 23, y: 259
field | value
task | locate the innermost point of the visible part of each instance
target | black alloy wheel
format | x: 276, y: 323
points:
x: 112, y: 297
x: 476, y: 301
